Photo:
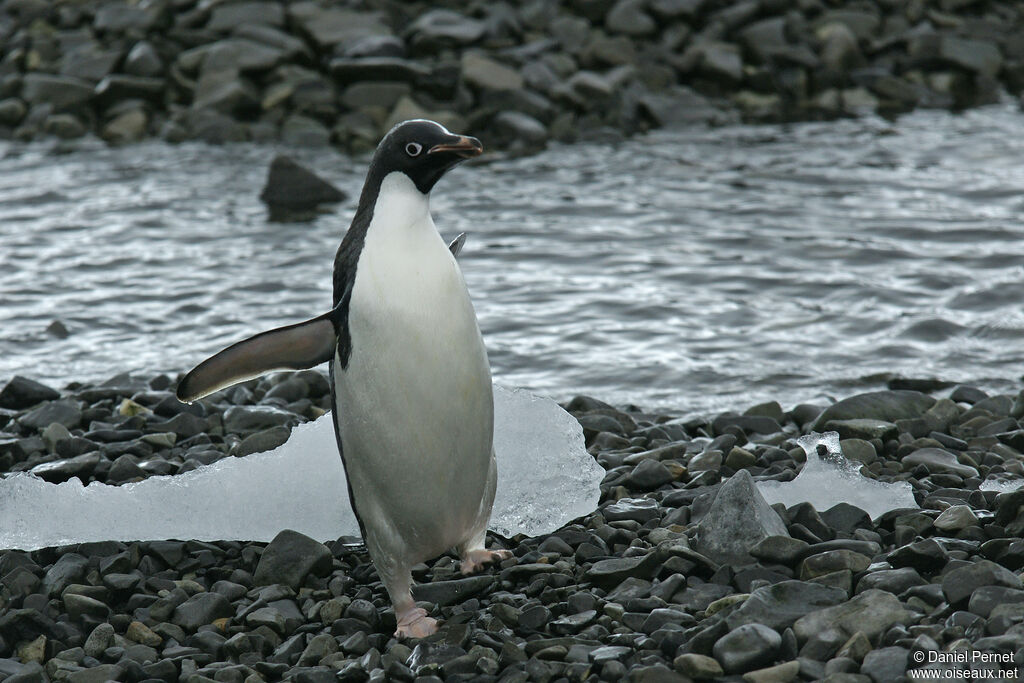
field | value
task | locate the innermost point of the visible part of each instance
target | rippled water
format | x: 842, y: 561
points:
x: 694, y: 271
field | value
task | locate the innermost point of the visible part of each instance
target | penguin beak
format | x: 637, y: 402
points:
x: 463, y: 146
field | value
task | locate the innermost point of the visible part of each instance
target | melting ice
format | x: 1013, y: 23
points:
x: 829, y: 478
x: 545, y: 479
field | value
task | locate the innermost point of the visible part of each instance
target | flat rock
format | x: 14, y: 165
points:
x: 739, y: 518
x: 201, y: 609
x: 863, y: 428
x: 887, y: 406
x: 328, y: 27
x: 484, y: 73
x: 65, y: 412
x: 290, y: 557
x: 955, y: 518
x: 780, y: 605
x: 441, y: 28
x: 444, y: 593
x: 871, y: 612
x: 959, y: 584
x: 938, y: 460
x: 20, y: 393
x: 629, y: 17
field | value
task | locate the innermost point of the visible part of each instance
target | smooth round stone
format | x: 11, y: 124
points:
x: 747, y: 648
x: 955, y: 518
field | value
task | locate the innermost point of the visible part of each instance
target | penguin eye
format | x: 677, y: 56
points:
x: 413, y: 149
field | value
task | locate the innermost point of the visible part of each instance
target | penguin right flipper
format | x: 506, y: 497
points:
x: 295, y: 347
x: 456, y: 246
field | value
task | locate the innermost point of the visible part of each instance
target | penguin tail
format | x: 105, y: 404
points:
x: 295, y: 347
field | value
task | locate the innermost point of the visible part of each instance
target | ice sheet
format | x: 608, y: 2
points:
x: 545, y: 479
x: 826, y: 481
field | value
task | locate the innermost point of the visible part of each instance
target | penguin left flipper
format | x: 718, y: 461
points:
x: 294, y: 347
x: 456, y: 245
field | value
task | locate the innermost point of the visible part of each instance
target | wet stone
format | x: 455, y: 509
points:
x: 747, y: 647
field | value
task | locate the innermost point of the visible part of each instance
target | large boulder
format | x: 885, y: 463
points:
x: 293, y: 188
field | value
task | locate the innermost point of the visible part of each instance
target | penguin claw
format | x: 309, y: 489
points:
x: 415, y: 624
x: 475, y: 560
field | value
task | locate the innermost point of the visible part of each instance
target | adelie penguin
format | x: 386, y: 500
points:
x: 411, y: 385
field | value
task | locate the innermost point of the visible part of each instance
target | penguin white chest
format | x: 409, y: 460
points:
x: 415, y: 410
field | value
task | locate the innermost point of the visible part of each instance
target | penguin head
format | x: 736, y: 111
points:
x: 424, y: 151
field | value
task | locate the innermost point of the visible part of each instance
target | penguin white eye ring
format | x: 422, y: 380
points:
x: 413, y: 149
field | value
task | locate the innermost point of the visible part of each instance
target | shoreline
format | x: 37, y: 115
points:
x: 310, y: 74
x: 666, y: 579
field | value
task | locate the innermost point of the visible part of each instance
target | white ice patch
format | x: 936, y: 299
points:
x: 545, y: 479
x: 1001, y: 485
x: 824, y: 482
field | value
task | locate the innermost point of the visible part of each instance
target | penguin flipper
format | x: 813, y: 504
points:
x: 456, y: 246
x: 294, y: 347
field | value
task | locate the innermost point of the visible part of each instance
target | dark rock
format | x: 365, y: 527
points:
x: 894, y: 581
x: 739, y: 518
x: 143, y: 60
x: 444, y: 593
x: 242, y: 419
x: 64, y: 412
x: 329, y: 27
x: 12, y: 111
x: 226, y: 17
x: 747, y: 647
x: 639, y: 510
x: 887, y: 406
x: 20, y: 393
x: 61, y: 470
x: 289, y: 558
x: 872, y: 612
x: 647, y: 476
x: 68, y: 569
x: 201, y: 609
x: 442, y: 28
x: 938, y: 460
x: 79, y: 606
x: 886, y: 663
x: 348, y: 70
x: 89, y: 62
x: 863, y: 428
x: 291, y: 187
x: 629, y: 17
x: 120, y: 18
x: 926, y: 556
x: 780, y: 605
x: 960, y: 583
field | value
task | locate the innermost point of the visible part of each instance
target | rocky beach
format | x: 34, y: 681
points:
x: 682, y: 573
x: 517, y: 74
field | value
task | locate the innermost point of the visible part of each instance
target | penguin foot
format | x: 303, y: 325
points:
x: 415, y: 624
x: 475, y: 560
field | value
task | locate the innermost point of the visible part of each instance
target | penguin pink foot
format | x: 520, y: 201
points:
x: 414, y: 623
x: 475, y: 560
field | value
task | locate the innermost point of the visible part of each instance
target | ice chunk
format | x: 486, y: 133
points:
x: 1001, y: 485
x: 545, y: 475
x: 828, y: 478
x: 545, y: 479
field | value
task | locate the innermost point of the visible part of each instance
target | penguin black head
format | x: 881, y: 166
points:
x: 423, y: 150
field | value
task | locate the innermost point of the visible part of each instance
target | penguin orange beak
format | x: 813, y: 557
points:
x: 464, y: 146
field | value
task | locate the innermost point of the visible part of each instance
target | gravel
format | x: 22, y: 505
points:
x: 632, y: 589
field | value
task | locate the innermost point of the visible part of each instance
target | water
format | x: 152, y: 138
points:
x: 690, y: 271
